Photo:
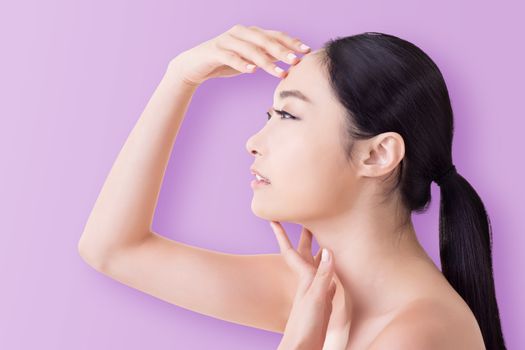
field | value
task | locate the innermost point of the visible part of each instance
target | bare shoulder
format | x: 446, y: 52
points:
x: 432, y: 324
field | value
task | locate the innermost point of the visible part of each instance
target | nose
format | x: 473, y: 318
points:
x: 250, y: 145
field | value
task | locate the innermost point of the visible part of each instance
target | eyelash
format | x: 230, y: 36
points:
x: 282, y: 113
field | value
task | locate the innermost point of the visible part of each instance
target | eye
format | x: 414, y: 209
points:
x: 282, y: 113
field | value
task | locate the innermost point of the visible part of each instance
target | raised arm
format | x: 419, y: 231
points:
x: 124, y: 209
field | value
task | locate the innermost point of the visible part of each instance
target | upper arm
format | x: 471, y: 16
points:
x: 252, y: 290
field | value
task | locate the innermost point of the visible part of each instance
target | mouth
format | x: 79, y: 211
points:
x: 259, y: 180
x: 259, y: 183
x: 259, y: 177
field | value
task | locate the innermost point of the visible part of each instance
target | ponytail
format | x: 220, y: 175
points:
x: 465, y: 242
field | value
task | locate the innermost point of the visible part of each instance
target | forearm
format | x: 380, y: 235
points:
x: 123, y: 212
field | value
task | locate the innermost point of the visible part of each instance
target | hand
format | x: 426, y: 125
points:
x: 312, y: 307
x: 228, y: 54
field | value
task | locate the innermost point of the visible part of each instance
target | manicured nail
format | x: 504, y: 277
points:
x: 304, y: 47
x: 291, y: 56
x: 278, y: 69
x: 325, y: 255
x: 250, y: 66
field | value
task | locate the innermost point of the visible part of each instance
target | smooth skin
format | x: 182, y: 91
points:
x: 312, y: 306
x: 392, y: 293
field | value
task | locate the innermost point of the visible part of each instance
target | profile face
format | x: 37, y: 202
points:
x: 304, y: 159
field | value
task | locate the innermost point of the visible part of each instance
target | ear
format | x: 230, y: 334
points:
x: 381, y: 154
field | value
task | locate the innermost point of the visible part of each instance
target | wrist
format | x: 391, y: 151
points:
x: 174, y: 73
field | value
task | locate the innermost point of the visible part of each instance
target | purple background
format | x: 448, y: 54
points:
x: 76, y: 76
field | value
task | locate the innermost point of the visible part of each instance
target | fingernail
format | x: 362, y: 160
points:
x: 304, y: 47
x: 278, y: 69
x: 291, y: 56
x: 250, y: 66
x: 325, y: 255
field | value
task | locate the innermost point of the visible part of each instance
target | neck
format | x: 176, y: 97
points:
x: 371, y: 249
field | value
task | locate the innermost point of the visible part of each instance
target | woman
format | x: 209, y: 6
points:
x: 357, y: 133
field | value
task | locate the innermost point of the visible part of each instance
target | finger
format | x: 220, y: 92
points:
x: 292, y: 258
x: 235, y: 61
x: 282, y: 238
x: 248, y: 51
x: 305, y: 245
x: 317, y: 258
x: 291, y: 42
x: 270, y: 58
x: 337, y: 280
x: 324, y: 273
x: 252, y: 45
x: 331, y: 290
x: 268, y: 43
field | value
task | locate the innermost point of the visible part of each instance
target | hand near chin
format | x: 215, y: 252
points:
x: 312, y: 307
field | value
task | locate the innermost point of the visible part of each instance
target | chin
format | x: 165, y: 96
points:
x: 263, y: 212
x: 269, y: 212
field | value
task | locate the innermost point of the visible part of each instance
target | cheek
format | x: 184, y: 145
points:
x: 307, y: 181
x: 314, y: 185
x: 320, y: 186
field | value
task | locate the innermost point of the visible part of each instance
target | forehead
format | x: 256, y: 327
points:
x: 307, y: 77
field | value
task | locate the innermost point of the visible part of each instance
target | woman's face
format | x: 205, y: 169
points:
x: 303, y: 159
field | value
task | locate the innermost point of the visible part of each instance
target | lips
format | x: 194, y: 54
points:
x: 255, y: 172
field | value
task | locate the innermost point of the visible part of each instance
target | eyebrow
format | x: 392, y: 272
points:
x: 294, y: 93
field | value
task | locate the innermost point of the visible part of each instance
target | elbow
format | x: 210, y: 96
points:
x: 91, y: 256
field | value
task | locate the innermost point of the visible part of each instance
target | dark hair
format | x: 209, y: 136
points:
x: 388, y: 84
